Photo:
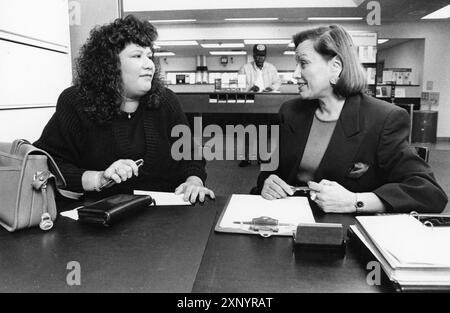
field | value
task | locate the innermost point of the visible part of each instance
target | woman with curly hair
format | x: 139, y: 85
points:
x: 118, y: 111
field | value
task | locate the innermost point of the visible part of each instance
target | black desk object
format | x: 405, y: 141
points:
x: 158, y: 250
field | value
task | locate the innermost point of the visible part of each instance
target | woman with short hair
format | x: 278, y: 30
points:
x: 350, y: 149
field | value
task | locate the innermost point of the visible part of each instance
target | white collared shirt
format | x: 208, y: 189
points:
x: 268, y: 75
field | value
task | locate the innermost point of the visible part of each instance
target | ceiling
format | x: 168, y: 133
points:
x: 391, y: 11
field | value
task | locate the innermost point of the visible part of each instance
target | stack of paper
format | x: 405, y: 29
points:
x: 410, y: 253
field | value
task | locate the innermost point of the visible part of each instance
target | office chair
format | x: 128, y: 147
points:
x: 423, y: 152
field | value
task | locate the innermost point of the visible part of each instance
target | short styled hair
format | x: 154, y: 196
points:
x: 333, y: 41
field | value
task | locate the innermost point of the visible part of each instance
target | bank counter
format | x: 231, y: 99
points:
x: 233, y: 102
x: 223, y: 107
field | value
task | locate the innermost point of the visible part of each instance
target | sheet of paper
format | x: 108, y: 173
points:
x: 408, y: 241
x: 72, y: 214
x: 164, y: 198
x: 243, y: 208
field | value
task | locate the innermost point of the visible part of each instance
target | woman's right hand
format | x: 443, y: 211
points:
x: 275, y: 188
x: 119, y: 171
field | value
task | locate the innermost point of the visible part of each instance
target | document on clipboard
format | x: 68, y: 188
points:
x: 252, y: 214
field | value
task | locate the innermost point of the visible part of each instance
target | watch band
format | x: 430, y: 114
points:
x: 358, y: 204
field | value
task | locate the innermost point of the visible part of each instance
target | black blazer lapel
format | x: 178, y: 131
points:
x: 299, y: 127
x: 344, y: 143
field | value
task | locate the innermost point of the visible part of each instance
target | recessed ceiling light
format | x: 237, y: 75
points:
x: 188, y: 20
x: 224, y: 52
x: 267, y: 41
x: 177, y: 43
x: 180, y: 5
x: 439, y: 14
x: 380, y: 41
x: 164, y: 54
x: 289, y: 52
x: 252, y: 19
x: 334, y: 18
x: 222, y: 45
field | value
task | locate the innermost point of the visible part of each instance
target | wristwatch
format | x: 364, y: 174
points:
x: 358, y: 205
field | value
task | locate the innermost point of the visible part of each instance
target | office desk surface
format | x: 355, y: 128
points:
x: 166, y: 249
x: 158, y: 250
x: 250, y: 263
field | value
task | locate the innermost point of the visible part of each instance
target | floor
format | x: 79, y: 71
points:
x: 226, y: 177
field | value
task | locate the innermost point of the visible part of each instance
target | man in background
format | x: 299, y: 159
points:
x: 260, y: 75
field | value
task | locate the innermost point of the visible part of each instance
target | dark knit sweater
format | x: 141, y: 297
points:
x: 79, y: 144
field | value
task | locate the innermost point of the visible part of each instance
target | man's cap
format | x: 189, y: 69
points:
x: 259, y: 49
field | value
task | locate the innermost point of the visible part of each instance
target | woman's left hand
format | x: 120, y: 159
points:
x: 193, y: 188
x: 331, y: 197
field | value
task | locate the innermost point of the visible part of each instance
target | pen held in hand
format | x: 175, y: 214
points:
x: 303, y: 188
x: 111, y: 182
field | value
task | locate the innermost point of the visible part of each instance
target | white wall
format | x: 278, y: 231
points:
x: 35, y: 64
x: 23, y: 123
x: 409, y: 54
x: 92, y: 13
x: 436, y: 65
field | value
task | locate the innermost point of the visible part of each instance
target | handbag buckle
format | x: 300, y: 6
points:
x: 46, y: 222
x: 40, y: 179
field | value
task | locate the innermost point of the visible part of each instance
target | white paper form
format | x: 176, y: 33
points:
x: 243, y: 208
x: 164, y: 198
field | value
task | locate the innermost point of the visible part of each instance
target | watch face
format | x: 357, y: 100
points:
x: 359, y: 204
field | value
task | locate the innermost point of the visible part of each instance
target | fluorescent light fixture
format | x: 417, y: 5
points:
x: 252, y: 19
x: 177, y: 43
x: 187, y: 20
x: 291, y: 45
x: 156, y: 46
x: 225, y: 52
x: 180, y: 5
x: 222, y: 45
x: 439, y: 14
x: 267, y: 41
x: 334, y: 18
x: 289, y: 52
x: 164, y: 54
x: 380, y: 41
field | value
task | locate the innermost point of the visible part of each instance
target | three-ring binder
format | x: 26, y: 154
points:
x: 432, y: 220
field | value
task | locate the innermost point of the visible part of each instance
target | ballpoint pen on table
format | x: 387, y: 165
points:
x: 264, y: 225
x: 262, y: 221
x: 111, y: 182
x: 251, y: 223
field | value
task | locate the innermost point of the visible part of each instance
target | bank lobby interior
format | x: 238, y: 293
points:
x: 201, y: 48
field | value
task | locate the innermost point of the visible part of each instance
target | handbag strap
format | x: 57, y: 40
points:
x: 60, y: 182
x: 15, y: 146
x: 40, y: 183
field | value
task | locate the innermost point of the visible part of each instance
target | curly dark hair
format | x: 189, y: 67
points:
x: 98, y: 74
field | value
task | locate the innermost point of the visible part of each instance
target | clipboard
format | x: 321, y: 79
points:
x: 254, y: 215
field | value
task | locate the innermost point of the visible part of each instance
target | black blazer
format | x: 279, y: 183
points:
x: 368, y: 152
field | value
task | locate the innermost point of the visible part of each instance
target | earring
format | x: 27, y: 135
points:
x: 333, y: 81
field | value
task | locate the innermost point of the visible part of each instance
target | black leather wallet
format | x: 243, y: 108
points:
x: 114, y: 208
